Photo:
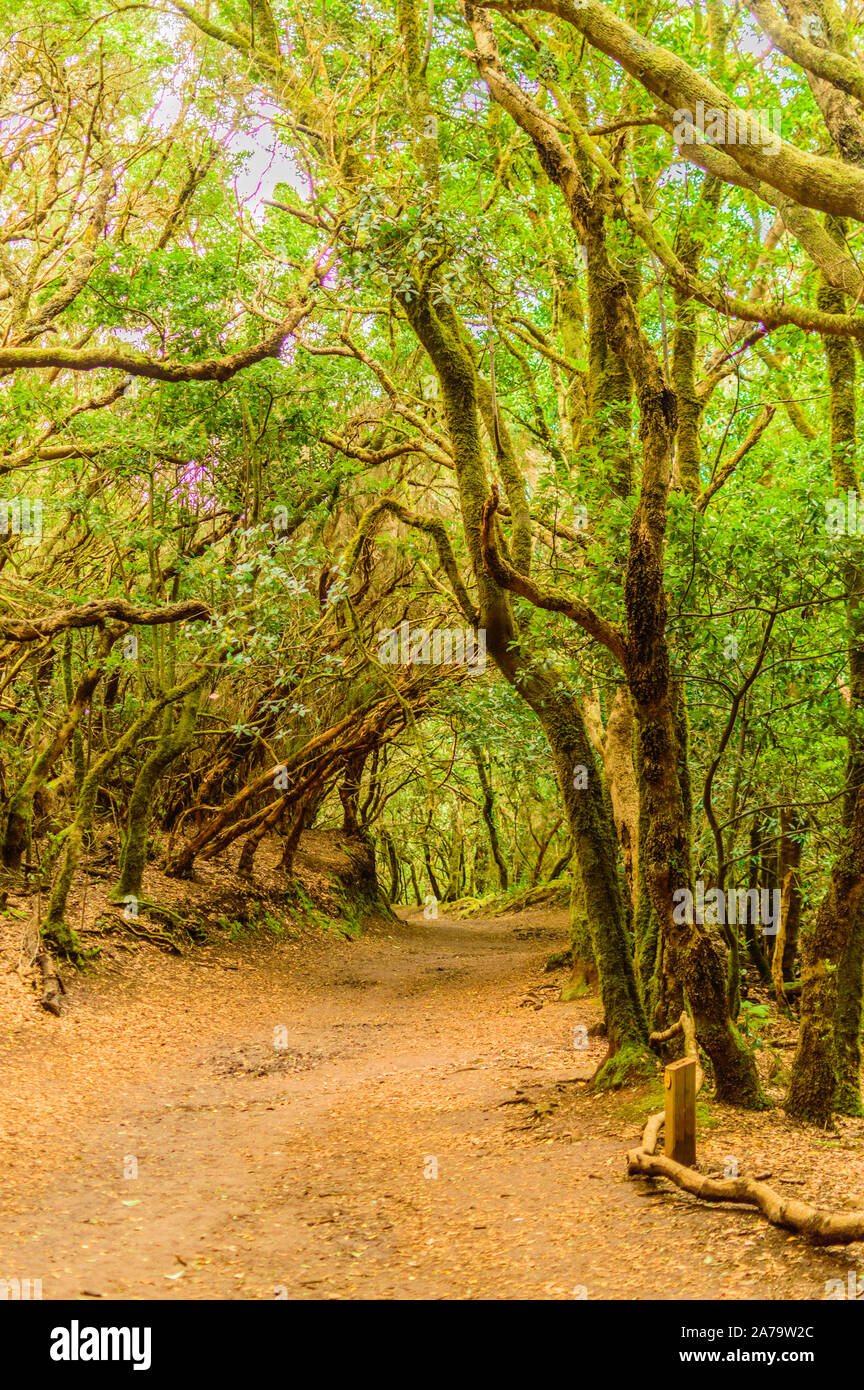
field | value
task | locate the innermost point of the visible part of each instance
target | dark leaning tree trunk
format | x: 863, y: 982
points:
x: 588, y: 811
x: 303, y: 814
x: 273, y: 817
x: 393, y: 895
x: 465, y: 395
x: 592, y: 829
x: 433, y: 882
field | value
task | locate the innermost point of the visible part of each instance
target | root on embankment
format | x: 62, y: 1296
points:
x: 820, y: 1227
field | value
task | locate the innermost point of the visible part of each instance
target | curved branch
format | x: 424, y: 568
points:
x: 433, y: 526
x: 551, y: 599
x: 137, y: 364
x: 757, y: 429
x: 98, y: 612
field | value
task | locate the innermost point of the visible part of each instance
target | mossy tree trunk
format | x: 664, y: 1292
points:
x: 848, y: 1021
x: 55, y: 928
x: 349, y: 792
x: 21, y: 803
x: 583, y: 968
x: 171, y: 744
x: 841, y: 371
x: 588, y: 810
x: 303, y: 813
x: 685, y: 341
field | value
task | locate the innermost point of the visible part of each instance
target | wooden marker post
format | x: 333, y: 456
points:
x: 679, y: 1078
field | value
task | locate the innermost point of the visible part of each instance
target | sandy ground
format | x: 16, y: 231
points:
x: 399, y: 1116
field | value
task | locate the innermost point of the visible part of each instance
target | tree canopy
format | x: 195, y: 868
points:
x: 441, y: 422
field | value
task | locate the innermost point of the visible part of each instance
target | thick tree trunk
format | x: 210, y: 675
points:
x: 841, y: 370
x: 595, y: 853
x: 615, y: 746
x: 583, y: 968
x: 696, y: 955
x: 246, y: 860
x: 303, y: 814
x: 848, y: 1021
x: 349, y: 792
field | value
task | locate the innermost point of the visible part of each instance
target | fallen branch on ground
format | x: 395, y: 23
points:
x: 52, y: 985
x: 820, y: 1227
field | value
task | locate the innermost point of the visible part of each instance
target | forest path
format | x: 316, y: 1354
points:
x: 303, y: 1169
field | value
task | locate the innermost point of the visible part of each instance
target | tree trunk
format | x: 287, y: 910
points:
x: 133, y: 856
x: 813, y: 1085
x: 21, y: 805
x: 583, y: 968
x: 789, y: 874
x: 55, y: 928
x: 752, y: 936
x: 488, y: 812
x: 848, y: 1020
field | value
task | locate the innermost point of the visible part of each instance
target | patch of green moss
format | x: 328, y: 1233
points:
x: 579, y: 990
x: 649, y: 1100
x: 629, y: 1065
x: 705, y: 1116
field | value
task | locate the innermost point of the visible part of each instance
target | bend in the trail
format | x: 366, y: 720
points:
x: 402, y: 1115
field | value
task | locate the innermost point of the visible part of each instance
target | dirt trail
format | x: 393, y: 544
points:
x: 302, y: 1162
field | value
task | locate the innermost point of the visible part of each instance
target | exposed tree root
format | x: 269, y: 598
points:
x: 136, y: 927
x: 820, y: 1227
